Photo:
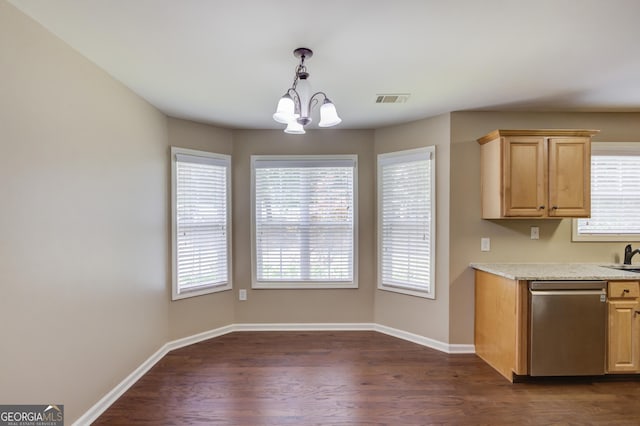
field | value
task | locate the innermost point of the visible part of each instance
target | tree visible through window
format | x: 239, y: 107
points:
x: 303, y: 220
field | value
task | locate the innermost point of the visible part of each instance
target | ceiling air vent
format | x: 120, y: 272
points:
x: 392, y: 98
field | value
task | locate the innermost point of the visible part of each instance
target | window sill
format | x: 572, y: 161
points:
x: 200, y: 292
x: 626, y: 238
x: 576, y: 237
x: 298, y: 285
x: 408, y: 292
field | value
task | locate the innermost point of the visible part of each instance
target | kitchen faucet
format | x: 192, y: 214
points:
x: 628, y: 254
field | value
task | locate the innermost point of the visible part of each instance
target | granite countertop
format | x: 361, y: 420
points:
x: 555, y: 271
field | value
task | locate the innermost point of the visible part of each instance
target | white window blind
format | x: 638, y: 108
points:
x: 406, y: 218
x: 304, y: 221
x: 615, y: 193
x: 201, y: 222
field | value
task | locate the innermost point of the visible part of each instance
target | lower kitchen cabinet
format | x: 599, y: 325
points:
x: 502, y: 325
x: 623, y: 348
x: 500, y: 333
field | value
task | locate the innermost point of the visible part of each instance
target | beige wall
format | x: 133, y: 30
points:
x: 83, y: 223
x: 84, y: 253
x: 510, y: 241
x: 425, y: 317
x: 197, y: 314
x: 302, y: 306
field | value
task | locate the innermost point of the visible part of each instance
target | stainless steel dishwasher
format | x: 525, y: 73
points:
x: 567, y: 328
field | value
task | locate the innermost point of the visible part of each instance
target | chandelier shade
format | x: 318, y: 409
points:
x: 285, y: 111
x: 294, y: 128
x: 328, y: 114
x: 295, y: 106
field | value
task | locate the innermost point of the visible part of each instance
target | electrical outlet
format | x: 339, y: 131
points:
x: 535, y: 233
x: 485, y: 244
x: 242, y: 294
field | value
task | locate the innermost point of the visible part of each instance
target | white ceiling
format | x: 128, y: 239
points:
x: 227, y: 62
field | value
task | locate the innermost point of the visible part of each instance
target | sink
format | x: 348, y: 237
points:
x: 628, y: 268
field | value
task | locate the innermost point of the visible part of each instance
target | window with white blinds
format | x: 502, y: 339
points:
x: 615, y: 194
x: 201, y: 222
x: 304, y: 221
x: 406, y: 222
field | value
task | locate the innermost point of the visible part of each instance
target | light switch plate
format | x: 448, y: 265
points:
x: 535, y: 233
x: 242, y: 294
x: 485, y: 244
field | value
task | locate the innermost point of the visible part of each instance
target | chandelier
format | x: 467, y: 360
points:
x: 294, y: 108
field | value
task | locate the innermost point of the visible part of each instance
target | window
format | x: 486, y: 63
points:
x: 304, y: 221
x: 615, y: 194
x: 201, y: 222
x: 406, y: 222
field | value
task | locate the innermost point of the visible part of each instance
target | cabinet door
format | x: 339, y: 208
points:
x: 569, y: 177
x: 624, y: 336
x: 524, y: 177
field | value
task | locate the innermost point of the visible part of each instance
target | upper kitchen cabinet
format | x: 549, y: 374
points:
x: 535, y: 173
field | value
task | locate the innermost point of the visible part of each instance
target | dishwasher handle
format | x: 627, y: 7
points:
x: 568, y: 293
x: 568, y: 285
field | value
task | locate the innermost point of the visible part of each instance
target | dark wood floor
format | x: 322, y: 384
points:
x: 353, y: 378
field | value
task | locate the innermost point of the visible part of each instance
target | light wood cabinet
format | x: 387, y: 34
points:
x: 623, y: 347
x: 535, y: 173
x: 500, y: 331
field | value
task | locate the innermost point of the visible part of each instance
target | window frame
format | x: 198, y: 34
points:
x: 411, y: 155
x: 176, y: 293
x: 611, y: 148
x: 257, y: 284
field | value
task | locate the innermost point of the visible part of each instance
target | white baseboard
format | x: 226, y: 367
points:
x: 305, y: 327
x: 200, y: 337
x: 459, y: 348
x: 101, y: 406
x: 425, y: 341
x: 105, y: 402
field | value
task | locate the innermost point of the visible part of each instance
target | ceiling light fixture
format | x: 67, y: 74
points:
x: 294, y: 108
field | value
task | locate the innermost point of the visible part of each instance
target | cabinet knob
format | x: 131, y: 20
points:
x: 626, y: 290
x: 541, y: 208
x: 555, y: 207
